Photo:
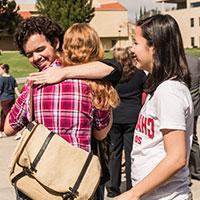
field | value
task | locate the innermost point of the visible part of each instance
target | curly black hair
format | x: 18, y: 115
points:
x: 38, y: 25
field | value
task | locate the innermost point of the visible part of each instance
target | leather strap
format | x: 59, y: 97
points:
x: 41, y: 151
x: 74, y: 191
x: 18, y: 176
x: 31, y: 103
x: 30, y: 126
x: 27, y: 171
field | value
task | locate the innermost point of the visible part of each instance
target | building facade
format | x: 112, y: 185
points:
x: 110, y: 22
x: 187, y: 15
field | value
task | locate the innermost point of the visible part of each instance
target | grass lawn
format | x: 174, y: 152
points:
x: 20, y: 67
x: 194, y: 52
x: 108, y: 54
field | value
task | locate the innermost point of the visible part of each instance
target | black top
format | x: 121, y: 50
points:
x: 194, y: 67
x: 115, y: 75
x: 130, y: 93
x: 7, y: 88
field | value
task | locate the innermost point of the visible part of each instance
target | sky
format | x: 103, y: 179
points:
x: 133, y: 6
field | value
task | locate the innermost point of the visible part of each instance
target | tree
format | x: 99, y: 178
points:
x: 144, y: 13
x: 9, y: 18
x: 66, y: 12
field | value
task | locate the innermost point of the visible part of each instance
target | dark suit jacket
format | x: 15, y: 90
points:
x: 194, y: 67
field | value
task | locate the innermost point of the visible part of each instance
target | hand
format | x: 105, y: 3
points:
x: 127, y: 196
x: 49, y: 76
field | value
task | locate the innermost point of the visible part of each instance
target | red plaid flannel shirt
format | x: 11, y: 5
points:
x: 64, y: 108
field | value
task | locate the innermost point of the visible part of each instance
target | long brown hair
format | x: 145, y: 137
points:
x: 163, y: 34
x: 82, y: 45
x: 125, y: 57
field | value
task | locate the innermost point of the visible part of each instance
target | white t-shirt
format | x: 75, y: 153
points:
x: 170, y: 107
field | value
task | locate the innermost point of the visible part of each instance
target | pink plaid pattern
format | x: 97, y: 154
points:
x: 64, y: 108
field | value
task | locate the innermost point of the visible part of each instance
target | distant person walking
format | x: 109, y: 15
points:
x: 8, y: 89
x: 125, y: 116
x: 194, y: 161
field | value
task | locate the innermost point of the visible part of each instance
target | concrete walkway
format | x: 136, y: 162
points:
x: 7, y: 146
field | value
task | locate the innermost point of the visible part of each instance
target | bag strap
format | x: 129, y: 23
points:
x: 31, y: 103
x: 27, y: 171
x: 41, y: 151
x: 73, y: 193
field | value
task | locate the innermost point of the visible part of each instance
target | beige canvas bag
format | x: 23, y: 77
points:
x: 46, y: 167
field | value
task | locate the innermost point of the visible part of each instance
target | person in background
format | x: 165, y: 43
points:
x: 8, y: 90
x: 83, y: 107
x: 125, y: 116
x: 194, y: 161
x: 163, y: 133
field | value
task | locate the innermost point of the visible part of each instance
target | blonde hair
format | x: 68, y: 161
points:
x: 82, y: 45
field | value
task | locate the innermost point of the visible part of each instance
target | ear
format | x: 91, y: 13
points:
x: 56, y: 43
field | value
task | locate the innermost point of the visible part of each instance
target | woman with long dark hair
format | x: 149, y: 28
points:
x: 163, y: 133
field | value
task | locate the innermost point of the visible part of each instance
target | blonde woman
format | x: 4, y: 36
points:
x: 73, y: 108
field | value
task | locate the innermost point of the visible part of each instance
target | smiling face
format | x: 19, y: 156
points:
x: 143, y: 52
x: 40, y: 52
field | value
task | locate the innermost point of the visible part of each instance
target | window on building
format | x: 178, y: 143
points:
x: 192, y: 41
x: 114, y: 42
x: 192, y: 22
x: 195, y: 4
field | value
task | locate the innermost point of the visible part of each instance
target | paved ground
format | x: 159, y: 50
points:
x: 6, y: 190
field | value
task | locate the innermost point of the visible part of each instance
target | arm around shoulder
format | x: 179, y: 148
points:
x: 111, y: 71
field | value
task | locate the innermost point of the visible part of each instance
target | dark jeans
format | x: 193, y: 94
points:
x: 194, y: 161
x: 5, y: 109
x: 121, y: 137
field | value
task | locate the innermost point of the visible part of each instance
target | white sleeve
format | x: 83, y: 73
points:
x: 171, y: 108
